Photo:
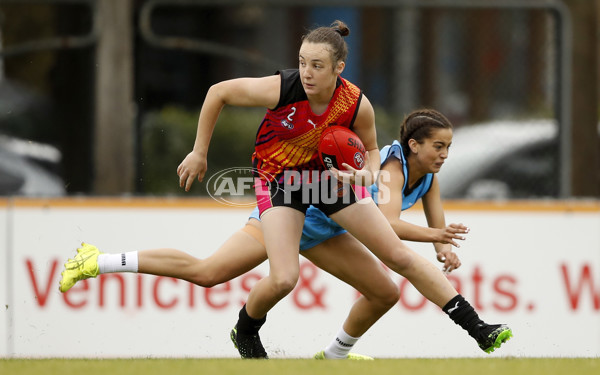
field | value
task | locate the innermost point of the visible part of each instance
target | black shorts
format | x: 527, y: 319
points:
x: 321, y: 190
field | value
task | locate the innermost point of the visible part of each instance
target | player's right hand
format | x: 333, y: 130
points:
x: 193, y: 166
x: 353, y: 176
x: 451, y: 233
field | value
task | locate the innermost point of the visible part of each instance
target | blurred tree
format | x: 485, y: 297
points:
x: 114, y: 122
x: 168, y: 135
x: 585, y: 155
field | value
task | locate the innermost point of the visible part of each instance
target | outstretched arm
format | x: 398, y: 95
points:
x: 241, y: 92
x: 446, y: 235
x: 442, y: 237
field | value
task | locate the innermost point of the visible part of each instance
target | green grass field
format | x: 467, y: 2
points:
x: 462, y: 366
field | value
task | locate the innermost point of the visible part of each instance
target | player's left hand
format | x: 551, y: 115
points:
x: 450, y: 260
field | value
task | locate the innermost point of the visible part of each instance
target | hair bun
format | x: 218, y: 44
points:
x: 341, y: 28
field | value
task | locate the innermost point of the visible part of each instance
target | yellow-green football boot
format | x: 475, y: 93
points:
x: 492, y: 337
x: 352, y: 356
x: 83, y: 266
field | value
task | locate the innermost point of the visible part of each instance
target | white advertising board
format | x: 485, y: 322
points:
x: 537, y: 270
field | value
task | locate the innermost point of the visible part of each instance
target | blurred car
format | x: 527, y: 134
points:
x: 503, y: 160
x: 29, y: 169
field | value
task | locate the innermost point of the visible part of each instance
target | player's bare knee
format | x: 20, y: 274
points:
x: 201, y: 280
x: 206, y: 278
x: 206, y: 281
x: 385, y: 295
x: 391, y: 295
x: 400, y: 261
x: 282, y: 286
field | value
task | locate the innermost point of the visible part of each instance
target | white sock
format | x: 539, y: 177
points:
x: 340, y: 347
x: 124, y: 262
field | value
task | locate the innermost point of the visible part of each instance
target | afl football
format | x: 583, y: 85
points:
x: 340, y: 145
